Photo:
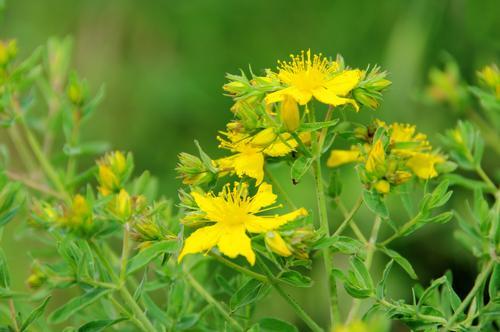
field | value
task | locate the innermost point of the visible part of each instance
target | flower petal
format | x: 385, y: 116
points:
x: 201, y: 240
x: 258, y: 224
x: 330, y: 97
x: 250, y: 164
x: 343, y: 83
x: 234, y: 242
x: 300, y: 96
x: 210, y: 205
x: 263, y: 197
x: 341, y: 157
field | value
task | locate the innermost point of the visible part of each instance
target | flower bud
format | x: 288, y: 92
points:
x: 375, y: 162
x: 123, y: 206
x: 264, y: 137
x: 192, y: 170
x: 290, y: 114
x: 382, y: 187
x: 114, y: 170
x: 276, y: 244
x: 235, y: 87
x: 341, y: 157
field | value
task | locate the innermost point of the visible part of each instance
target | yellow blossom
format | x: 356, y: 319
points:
x: 113, y: 169
x: 123, y: 205
x: 341, y: 157
x: 234, y: 213
x: 376, y: 157
x: 250, y: 152
x: 275, y: 242
x: 422, y: 164
x: 356, y: 326
x: 305, y: 77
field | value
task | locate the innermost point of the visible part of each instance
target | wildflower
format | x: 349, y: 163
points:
x: 123, y: 205
x: 276, y: 244
x: 114, y: 170
x: 490, y: 76
x: 234, y: 213
x: 341, y: 157
x: 423, y: 164
x: 375, y: 162
x: 318, y: 77
x: 250, y: 151
x: 290, y: 114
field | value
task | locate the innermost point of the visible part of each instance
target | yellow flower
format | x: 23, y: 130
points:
x: 113, y: 169
x: 305, y: 77
x: 491, y: 77
x: 376, y: 157
x: 405, y: 133
x: 234, y: 213
x: 275, y: 242
x: 341, y: 157
x: 251, y: 151
x: 422, y: 164
x: 123, y: 205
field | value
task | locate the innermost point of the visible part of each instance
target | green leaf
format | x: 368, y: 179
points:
x: 207, y: 161
x: 335, y: 186
x: 77, y: 304
x: 8, y: 216
x: 100, y: 325
x: 380, y: 290
x: 300, y: 168
x: 88, y: 148
x: 250, y: 292
x: 35, y: 314
x: 375, y: 203
x: 431, y: 290
x: 343, y: 244
x: 403, y: 262
x: 4, y: 271
x: 186, y: 322
x: 272, y: 325
x: 361, y: 272
x: 313, y: 126
x: 296, y: 279
x: 147, y: 255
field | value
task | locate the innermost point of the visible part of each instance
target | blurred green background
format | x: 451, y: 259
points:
x: 163, y: 63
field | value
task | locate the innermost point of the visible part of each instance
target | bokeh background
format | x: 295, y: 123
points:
x: 163, y: 64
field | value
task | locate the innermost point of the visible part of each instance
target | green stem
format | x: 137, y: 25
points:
x: 250, y: 273
x: 481, y: 278
x: 12, y: 309
x: 277, y: 185
x: 428, y: 318
x: 125, y: 253
x: 21, y: 148
x: 206, y: 295
x: 348, y: 217
x: 323, y: 221
x: 485, y: 177
x: 33, y: 184
x: 125, y: 294
x: 126, y: 313
x: 402, y: 230
x: 44, y: 162
x: 296, y: 307
x: 370, y: 250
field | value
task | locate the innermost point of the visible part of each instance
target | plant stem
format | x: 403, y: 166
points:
x: 429, y: 318
x: 125, y: 252
x: 33, y: 184
x: 348, y: 217
x: 125, y: 294
x: 206, y: 295
x: 323, y: 221
x: 126, y: 313
x: 298, y: 309
x: 352, y: 224
x: 402, y: 230
x: 44, y: 163
x: 250, y: 273
x: 485, y: 177
x: 21, y: 148
x: 12, y: 309
x: 370, y: 250
x: 277, y: 185
x: 481, y: 278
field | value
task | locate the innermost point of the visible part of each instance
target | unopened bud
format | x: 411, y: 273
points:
x: 290, y: 114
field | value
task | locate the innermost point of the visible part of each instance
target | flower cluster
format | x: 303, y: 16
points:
x: 389, y: 155
x: 273, y: 121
